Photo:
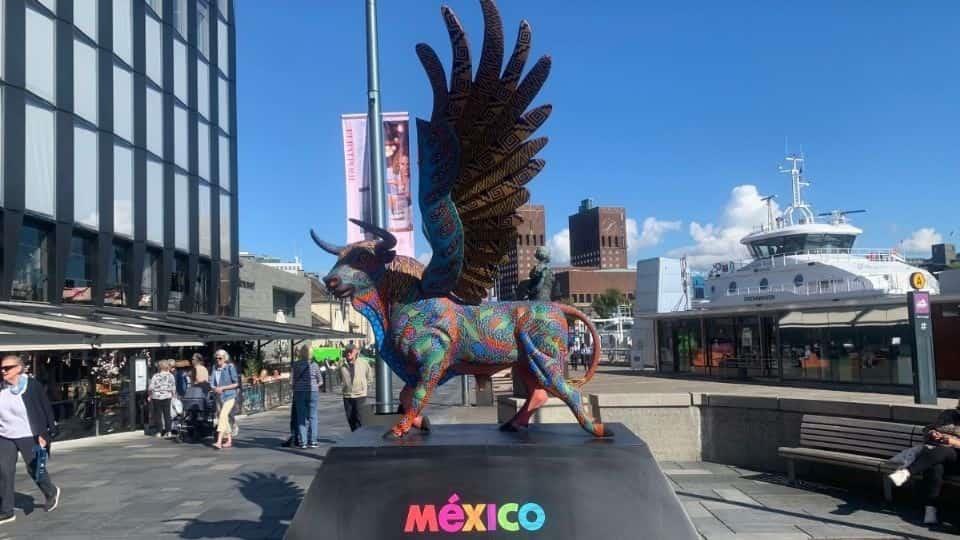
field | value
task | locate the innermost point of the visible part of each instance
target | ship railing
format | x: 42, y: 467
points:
x: 833, y: 286
x: 797, y: 258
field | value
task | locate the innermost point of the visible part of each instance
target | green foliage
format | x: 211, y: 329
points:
x: 606, y: 304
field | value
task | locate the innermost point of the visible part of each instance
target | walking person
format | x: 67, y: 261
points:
x: 224, y: 382
x: 306, y: 395
x: 937, y: 458
x: 26, y: 426
x: 200, y: 375
x: 160, y: 392
x: 354, y: 374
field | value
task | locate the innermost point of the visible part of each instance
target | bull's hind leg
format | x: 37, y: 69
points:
x: 549, y: 373
x: 536, y: 397
x: 406, y: 403
x: 432, y: 354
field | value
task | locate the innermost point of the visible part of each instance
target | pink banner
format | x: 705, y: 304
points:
x: 396, y: 142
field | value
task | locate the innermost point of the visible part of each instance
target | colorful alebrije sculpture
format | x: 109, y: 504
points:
x: 475, y: 160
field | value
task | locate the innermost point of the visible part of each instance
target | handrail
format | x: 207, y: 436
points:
x: 809, y: 289
x: 789, y: 259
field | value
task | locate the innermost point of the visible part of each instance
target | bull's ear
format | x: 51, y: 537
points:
x: 386, y: 257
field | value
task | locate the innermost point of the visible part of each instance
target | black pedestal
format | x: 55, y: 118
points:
x: 553, y: 481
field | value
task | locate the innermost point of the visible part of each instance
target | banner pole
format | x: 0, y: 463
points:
x: 384, y: 390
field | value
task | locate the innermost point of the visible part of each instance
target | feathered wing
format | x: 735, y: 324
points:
x: 476, y: 156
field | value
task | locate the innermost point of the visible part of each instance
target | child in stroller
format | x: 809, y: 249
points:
x: 195, y: 422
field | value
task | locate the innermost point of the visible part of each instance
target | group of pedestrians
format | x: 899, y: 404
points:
x: 164, y: 387
x: 581, y: 355
x: 307, y: 382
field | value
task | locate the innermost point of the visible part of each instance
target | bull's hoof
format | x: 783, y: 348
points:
x: 391, y: 435
x: 425, y: 425
x: 605, y: 432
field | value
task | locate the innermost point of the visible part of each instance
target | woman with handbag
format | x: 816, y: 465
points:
x: 26, y: 426
x: 225, y: 382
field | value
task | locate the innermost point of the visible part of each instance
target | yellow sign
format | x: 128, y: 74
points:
x: 918, y: 280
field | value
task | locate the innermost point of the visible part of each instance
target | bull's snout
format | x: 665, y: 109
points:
x: 332, y: 282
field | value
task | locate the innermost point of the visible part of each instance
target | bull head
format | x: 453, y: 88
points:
x: 359, y: 265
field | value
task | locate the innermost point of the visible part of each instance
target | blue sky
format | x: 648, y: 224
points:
x: 670, y: 109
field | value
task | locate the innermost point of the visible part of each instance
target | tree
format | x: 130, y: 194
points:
x: 606, y: 304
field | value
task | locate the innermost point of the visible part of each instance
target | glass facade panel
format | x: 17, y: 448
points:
x: 180, y: 71
x: 85, y: 18
x: 41, y: 58
x: 86, y: 182
x: 203, y: 150
x: 3, y: 25
x: 180, y: 17
x: 203, y: 28
x: 156, y: 6
x: 31, y: 269
x: 85, y: 79
x: 201, y: 289
x: 223, y: 96
x: 79, y: 271
x: 178, y: 284
x: 40, y: 160
x: 155, y: 204
x: 223, y: 47
x: 203, y: 88
x: 224, y: 6
x: 224, y: 158
x: 180, y: 137
x: 225, y: 220
x: 721, y: 344
x: 181, y: 205
x: 123, y: 102
x: 204, y: 218
x: 154, y: 48
x: 149, y: 286
x: 122, y: 190
x: 123, y: 30
x: 225, y: 303
x: 117, y: 282
x: 154, y: 121
x: 1, y: 123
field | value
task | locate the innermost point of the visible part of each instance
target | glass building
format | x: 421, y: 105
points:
x: 118, y: 183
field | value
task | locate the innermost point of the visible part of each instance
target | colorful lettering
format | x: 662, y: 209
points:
x: 451, y: 515
x: 539, y: 516
x: 504, y: 520
x: 474, y: 521
x: 491, y: 517
x: 421, y: 520
x: 456, y: 517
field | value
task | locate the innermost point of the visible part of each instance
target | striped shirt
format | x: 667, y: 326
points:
x: 162, y: 385
x: 306, y: 376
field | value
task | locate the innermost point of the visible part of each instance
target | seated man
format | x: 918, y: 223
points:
x: 935, y: 460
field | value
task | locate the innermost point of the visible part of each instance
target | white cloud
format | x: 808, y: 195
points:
x: 560, y: 248
x: 920, y: 241
x: 650, y: 235
x: 744, y: 211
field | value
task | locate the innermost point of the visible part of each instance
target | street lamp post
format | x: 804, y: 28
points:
x: 378, y: 204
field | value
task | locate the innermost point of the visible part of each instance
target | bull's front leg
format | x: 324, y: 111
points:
x: 431, y: 354
x: 406, y: 403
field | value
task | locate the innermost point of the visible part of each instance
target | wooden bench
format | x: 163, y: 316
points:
x: 853, y: 443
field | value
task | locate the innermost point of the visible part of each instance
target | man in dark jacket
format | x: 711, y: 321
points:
x: 26, y: 423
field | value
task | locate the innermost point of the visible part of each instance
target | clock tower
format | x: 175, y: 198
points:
x: 598, y: 236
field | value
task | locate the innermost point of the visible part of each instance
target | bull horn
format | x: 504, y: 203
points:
x: 326, y: 246
x: 387, y: 240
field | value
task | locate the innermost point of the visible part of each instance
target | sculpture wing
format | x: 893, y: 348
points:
x: 476, y: 156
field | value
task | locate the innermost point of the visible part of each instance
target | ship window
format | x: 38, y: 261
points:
x: 764, y: 284
x: 732, y: 288
x: 798, y: 280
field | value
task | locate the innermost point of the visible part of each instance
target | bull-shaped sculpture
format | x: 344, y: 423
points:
x: 430, y: 322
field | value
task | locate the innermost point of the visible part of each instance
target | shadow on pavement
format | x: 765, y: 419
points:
x: 24, y: 502
x: 278, y: 498
x: 271, y: 443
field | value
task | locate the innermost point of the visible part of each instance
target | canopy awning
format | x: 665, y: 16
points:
x: 44, y: 327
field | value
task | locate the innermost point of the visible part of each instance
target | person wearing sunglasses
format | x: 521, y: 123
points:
x: 225, y: 382
x: 26, y: 422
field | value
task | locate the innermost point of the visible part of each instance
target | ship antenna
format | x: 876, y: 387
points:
x: 798, y: 183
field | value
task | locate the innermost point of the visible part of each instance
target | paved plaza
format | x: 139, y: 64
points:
x: 132, y: 486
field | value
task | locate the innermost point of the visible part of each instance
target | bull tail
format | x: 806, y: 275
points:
x: 595, y: 361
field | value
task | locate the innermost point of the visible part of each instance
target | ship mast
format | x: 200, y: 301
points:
x: 796, y: 175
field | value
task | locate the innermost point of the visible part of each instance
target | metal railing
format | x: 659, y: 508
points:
x: 798, y: 258
x: 810, y: 289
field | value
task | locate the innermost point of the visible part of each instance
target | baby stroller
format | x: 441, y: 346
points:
x: 195, y: 422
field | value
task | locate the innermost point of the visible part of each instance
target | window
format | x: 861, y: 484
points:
x: 203, y: 88
x: 85, y: 18
x: 3, y: 9
x: 86, y: 183
x: 223, y: 95
x: 123, y: 190
x: 203, y: 150
x: 148, y: 280
x: 180, y: 70
x: 201, y: 288
x: 31, y: 267
x: 155, y: 204
x: 1, y: 120
x: 285, y: 301
x: 178, y: 283
x: 154, y: 121
x: 41, y: 63
x: 798, y: 280
x: 225, y: 245
x: 40, y: 159
x: 203, y: 28
x: 224, y: 157
x: 764, y: 284
x: 123, y: 30
x: 732, y: 288
x: 180, y: 17
x: 117, y: 279
x: 204, y: 218
x: 123, y: 102
x: 180, y: 135
x: 181, y: 205
x: 223, y: 47
x: 85, y: 80
x: 154, y: 49
x: 78, y: 272
x: 156, y: 6
x: 224, y: 6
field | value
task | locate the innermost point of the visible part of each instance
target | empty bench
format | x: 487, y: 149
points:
x: 866, y: 445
